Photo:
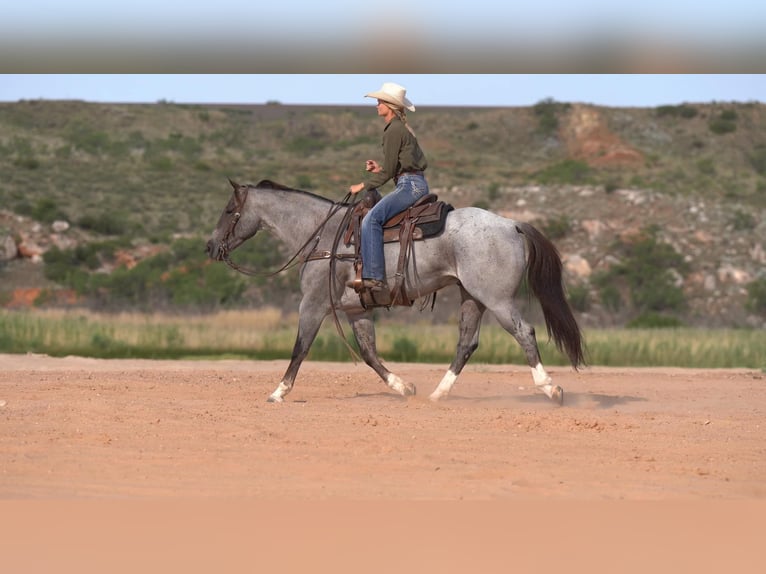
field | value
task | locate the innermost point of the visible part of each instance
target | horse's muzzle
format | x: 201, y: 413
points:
x: 214, y: 250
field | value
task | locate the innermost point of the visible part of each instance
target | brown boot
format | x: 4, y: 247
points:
x: 376, y: 291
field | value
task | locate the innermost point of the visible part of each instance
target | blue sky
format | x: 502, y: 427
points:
x: 620, y: 90
x: 283, y: 18
x: 339, y: 36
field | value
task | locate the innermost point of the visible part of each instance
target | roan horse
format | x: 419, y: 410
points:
x: 485, y: 254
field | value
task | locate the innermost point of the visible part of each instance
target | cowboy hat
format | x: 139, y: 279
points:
x: 393, y: 94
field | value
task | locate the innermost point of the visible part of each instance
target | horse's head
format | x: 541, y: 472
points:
x: 236, y: 225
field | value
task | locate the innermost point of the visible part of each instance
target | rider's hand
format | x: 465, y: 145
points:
x: 372, y: 165
x: 354, y: 189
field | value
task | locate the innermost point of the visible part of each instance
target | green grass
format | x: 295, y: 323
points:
x: 267, y: 334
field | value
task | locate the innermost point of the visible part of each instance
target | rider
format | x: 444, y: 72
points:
x: 404, y: 162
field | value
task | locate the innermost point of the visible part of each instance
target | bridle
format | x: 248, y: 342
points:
x: 297, y: 259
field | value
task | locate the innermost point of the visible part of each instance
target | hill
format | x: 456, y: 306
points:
x: 658, y: 212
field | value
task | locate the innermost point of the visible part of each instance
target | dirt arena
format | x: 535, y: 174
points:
x: 85, y: 428
x: 182, y: 466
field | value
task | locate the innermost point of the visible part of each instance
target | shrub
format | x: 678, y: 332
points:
x: 404, y: 350
x: 743, y: 221
x: 611, y: 186
x: 89, y: 140
x: 27, y: 162
x: 758, y: 159
x: 45, y: 210
x: 557, y: 227
x: 303, y: 181
x: 547, y: 112
x: 493, y: 191
x: 305, y: 145
x: 756, y: 296
x: 654, y: 321
x: 569, y: 171
x: 611, y: 298
x: 724, y: 123
x: 110, y: 223
x: 681, y: 111
x: 645, y: 270
x: 579, y: 298
x: 706, y: 166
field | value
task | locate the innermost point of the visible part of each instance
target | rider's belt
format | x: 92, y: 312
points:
x: 410, y: 171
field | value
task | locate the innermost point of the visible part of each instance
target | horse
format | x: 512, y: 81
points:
x: 486, y: 255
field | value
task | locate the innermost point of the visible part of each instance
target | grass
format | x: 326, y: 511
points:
x: 267, y: 334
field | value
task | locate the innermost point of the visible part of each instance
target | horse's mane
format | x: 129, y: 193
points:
x: 269, y: 184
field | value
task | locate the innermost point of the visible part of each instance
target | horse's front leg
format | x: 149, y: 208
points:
x: 311, y: 317
x: 364, y: 332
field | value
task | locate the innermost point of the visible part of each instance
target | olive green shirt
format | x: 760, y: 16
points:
x: 401, y: 152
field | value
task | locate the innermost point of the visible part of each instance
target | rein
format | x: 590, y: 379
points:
x: 297, y: 259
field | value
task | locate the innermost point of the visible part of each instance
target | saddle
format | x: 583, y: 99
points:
x: 425, y: 218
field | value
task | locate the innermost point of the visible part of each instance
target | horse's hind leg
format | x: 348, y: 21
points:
x: 364, y: 331
x: 512, y: 321
x: 471, y: 312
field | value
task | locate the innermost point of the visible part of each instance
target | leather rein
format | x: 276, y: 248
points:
x: 298, y: 259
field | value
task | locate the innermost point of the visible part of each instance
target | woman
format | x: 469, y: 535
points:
x: 404, y: 162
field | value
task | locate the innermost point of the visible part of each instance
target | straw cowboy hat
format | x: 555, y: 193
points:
x: 393, y: 94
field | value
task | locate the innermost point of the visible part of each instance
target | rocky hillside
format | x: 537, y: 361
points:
x: 597, y: 180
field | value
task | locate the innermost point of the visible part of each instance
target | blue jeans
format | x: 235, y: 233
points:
x: 409, y: 188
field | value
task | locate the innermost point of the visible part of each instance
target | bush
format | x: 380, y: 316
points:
x: 547, y: 112
x: 404, y: 350
x: 27, y: 162
x: 305, y: 145
x: 724, y: 123
x: 706, y: 166
x: 579, y: 298
x: 45, y: 210
x: 645, y: 270
x: 610, y: 298
x: 680, y: 111
x: 743, y: 221
x: 89, y: 140
x: 756, y: 296
x: 758, y: 159
x: 654, y: 321
x: 493, y: 191
x: 110, y: 223
x: 569, y: 171
x: 557, y: 227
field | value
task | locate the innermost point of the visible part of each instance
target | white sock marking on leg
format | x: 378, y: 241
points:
x: 396, y: 383
x: 280, y: 392
x: 444, y: 386
x: 542, y: 380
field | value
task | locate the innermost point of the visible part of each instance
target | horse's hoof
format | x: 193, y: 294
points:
x: 273, y: 399
x: 558, y: 395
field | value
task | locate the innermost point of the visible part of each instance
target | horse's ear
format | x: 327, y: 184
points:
x: 234, y: 184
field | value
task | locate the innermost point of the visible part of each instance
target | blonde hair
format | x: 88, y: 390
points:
x: 401, y: 114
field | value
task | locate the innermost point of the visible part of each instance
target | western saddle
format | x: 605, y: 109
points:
x: 425, y: 218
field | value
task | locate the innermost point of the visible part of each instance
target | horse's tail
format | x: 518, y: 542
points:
x: 545, y: 280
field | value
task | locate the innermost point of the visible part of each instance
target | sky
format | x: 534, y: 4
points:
x: 341, y: 36
x: 613, y: 90
x: 712, y: 17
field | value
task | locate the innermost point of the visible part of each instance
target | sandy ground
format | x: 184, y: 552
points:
x: 84, y: 428
x: 143, y: 466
